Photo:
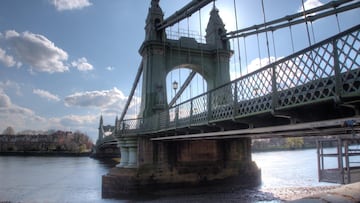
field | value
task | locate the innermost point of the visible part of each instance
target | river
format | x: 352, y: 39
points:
x: 78, y: 179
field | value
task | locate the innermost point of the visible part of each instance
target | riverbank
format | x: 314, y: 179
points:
x: 295, y: 193
x: 213, y: 194
x: 344, y: 193
x: 46, y: 153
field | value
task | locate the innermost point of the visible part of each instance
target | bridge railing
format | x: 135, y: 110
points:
x: 328, y: 70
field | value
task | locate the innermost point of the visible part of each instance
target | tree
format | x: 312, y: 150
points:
x: 294, y: 142
x: 9, y: 131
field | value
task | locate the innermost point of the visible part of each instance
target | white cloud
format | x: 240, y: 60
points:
x: 257, y: 63
x: 5, y: 101
x: 11, y: 33
x: 37, y: 51
x: 99, y: 99
x: 62, y: 5
x: 45, y: 94
x: 21, y: 118
x: 110, y: 68
x: 78, y: 120
x: 16, y: 116
x: 110, y: 102
x: 9, y: 85
x: 7, y: 60
x: 309, y: 4
x: 82, y: 64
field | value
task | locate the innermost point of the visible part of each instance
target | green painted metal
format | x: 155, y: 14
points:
x: 162, y: 55
x: 328, y: 70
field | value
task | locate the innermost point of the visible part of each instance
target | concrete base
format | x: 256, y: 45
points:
x: 182, y: 164
x: 129, y: 182
x: 119, y: 182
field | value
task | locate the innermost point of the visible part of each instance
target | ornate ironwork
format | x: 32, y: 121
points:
x: 327, y: 70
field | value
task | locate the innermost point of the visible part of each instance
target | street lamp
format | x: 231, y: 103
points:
x: 175, y: 85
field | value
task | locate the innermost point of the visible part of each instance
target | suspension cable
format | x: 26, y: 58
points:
x: 179, y: 54
x: 171, y: 73
x: 259, y: 51
x: 238, y: 43
x: 306, y: 22
x: 313, y: 32
x: 266, y: 34
x: 246, y: 57
x: 313, y: 68
x: 292, y: 39
x: 337, y: 21
x: 233, y: 43
x: 138, y: 75
x: 278, y: 23
x: 189, y: 56
x: 274, y: 47
x: 162, y: 90
x: 202, y: 55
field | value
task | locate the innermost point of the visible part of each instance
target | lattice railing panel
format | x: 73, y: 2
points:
x: 184, y: 114
x: 221, y: 103
x: 257, y: 105
x: 306, y: 77
x: 315, y: 90
x: 253, y: 93
x: 200, y: 112
x: 349, y: 60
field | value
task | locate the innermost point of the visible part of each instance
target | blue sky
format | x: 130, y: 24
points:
x: 63, y: 63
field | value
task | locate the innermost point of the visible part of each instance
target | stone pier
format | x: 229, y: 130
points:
x: 147, y: 166
x: 128, y: 149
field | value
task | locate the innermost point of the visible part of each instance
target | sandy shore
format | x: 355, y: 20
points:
x: 272, y: 195
x: 294, y: 193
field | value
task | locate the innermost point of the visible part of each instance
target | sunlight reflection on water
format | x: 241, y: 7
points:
x: 78, y: 179
x: 288, y: 168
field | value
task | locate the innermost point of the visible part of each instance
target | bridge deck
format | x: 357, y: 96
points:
x: 321, y: 82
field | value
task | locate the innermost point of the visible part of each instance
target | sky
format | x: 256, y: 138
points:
x: 63, y: 63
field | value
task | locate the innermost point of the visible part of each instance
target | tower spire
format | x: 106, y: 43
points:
x: 215, y: 29
x: 154, y: 17
x: 101, y: 121
x: 101, y: 129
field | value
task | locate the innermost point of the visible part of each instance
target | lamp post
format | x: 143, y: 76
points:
x: 175, y: 85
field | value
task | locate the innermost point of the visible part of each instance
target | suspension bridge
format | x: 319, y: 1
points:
x: 207, y: 137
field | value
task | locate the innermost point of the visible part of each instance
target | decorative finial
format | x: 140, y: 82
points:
x: 155, y: 3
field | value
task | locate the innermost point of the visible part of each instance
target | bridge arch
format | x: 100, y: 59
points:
x: 190, y: 83
x: 161, y: 55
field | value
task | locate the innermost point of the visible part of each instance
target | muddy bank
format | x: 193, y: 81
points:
x: 234, y: 195
x: 294, y: 193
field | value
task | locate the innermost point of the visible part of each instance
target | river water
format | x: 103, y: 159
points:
x: 78, y: 179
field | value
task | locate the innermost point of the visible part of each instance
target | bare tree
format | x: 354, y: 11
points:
x: 9, y: 131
